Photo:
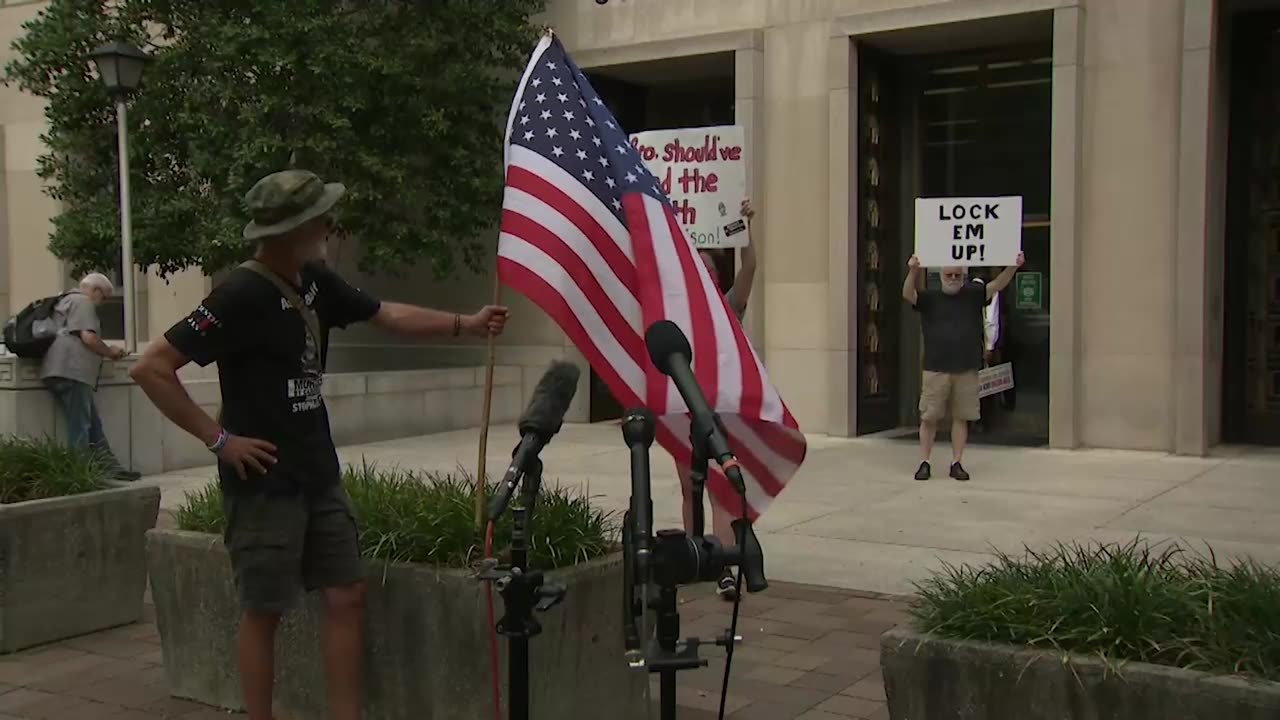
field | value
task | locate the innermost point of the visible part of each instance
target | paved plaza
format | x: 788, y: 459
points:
x: 807, y: 653
x: 854, y: 518
x: 842, y: 544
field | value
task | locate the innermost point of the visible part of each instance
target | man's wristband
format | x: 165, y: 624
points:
x: 220, y: 443
x: 457, y: 324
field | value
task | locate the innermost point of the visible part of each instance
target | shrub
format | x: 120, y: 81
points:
x: 38, y: 468
x: 1119, y: 602
x: 429, y: 518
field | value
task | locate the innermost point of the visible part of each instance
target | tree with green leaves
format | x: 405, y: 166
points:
x: 401, y: 100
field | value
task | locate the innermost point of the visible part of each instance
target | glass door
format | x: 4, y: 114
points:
x: 985, y: 130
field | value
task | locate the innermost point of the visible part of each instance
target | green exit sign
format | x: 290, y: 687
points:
x: 1028, y: 291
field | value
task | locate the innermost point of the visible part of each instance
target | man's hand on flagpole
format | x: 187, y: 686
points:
x: 490, y: 320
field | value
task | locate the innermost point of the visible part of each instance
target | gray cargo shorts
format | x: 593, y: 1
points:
x: 282, y: 544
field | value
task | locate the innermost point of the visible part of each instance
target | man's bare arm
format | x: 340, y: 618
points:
x: 93, y: 341
x: 1005, y: 277
x: 412, y: 320
x: 156, y: 372
x: 910, y: 293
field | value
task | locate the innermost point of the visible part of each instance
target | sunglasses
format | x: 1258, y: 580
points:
x: 953, y: 276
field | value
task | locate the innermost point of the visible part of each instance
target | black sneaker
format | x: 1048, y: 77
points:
x: 958, y: 472
x: 922, y: 473
x: 128, y: 476
x: 727, y: 587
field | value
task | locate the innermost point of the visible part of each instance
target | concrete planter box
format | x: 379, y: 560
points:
x: 426, y: 642
x: 929, y: 678
x: 73, y: 565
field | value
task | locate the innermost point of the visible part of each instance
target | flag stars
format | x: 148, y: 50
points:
x: 568, y: 115
x: 557, y: 151
x: 528, y: 135
x: 631, y: 177
x: 562, y: 97
x: 588, y: 175
x: 595, y: 139
x: 621, y: 149
x: 524, y: 119
x: 575, y: 134
x: 582, y: 154
x: 610, y: 182
x: 591, y: 123
x: 597, y: 101
x: 536, y: 82
x: 616, y: 205
x: 551, y: 132
x: 551, y: 66
x: 542, y: 97
x: 555, y: 80
x: 610, y: 124
x: 604, y: 161
x: 546, y: 115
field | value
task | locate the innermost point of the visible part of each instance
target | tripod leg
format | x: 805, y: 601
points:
x: 668, y: 694
x: 518, y: 678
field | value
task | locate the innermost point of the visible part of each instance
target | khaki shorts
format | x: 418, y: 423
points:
x: 956, y: 393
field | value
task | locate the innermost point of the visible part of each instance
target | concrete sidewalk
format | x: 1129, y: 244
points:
x: 854, y: 518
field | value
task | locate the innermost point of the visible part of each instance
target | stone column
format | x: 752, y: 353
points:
x: 1066, y: 150
x: 1199, y: 257
x: 842, y: 376
x: 795, y: 201
x: 1127, y: 240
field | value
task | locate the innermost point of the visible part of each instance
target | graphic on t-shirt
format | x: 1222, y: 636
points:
x: 305, y: 392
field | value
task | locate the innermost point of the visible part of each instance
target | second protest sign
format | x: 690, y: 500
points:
x: 704, y: 172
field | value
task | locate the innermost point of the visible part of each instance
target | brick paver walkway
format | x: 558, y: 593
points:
x: 808, y: 654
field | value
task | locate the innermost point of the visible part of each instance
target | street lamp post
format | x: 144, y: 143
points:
x: 120, y: 65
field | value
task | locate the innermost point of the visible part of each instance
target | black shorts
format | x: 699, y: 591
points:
x: 281, y: 544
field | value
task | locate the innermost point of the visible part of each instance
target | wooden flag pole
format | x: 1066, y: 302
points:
x: 484, y: 415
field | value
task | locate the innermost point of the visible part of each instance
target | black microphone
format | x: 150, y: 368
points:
x: 638, y: 432
x: 670, y: 352
x: 539, y: 423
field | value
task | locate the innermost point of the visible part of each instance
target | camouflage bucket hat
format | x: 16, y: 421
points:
x: 285, y: 200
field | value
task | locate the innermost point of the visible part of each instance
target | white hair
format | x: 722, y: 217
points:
x: 99, y: 281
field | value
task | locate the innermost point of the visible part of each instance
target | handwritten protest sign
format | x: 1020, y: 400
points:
x: 704, y: 172
x: 968, y: 231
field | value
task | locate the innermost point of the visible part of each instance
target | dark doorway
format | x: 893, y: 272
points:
x: 1251, y: 336
x: 684, y: 92
x: 984, y: 129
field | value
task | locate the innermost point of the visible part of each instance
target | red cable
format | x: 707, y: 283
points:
x: 493, y: 633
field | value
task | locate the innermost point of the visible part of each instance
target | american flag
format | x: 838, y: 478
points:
x: 588, y: 235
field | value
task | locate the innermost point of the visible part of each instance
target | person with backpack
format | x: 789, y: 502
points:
x: 72, y: 365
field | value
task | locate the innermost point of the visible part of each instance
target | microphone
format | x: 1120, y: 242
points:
x: 670, y: 352
x: 539, y: 423
x: 638, y: 432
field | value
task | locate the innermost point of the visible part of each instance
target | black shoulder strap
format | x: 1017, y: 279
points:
x: 308, y: 315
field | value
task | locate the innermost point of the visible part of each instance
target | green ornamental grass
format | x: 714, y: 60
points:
x: 1134, y: 602
x: 418, y: 517
x: 37, y: 468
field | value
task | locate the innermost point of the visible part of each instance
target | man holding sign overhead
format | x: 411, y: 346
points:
x: 952, y: 321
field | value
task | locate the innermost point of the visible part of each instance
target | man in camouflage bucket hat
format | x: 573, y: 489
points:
x: 289, y: 523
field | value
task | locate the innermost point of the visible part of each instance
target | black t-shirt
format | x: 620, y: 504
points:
x: 953, y: 328
x: 270, y: 370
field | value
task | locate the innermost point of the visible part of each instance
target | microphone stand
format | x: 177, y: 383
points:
x: 671, y: 558
x: 523, y: 591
